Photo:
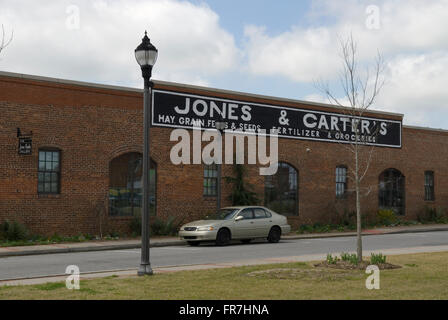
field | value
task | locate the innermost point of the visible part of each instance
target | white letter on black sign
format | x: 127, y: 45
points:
x: 308, y: 124
x: 204, y: 106
x: 323, y: 122
x: 383, y: 130
x: 232, y: 107
x: 246, y: 113
x: 187, y: 107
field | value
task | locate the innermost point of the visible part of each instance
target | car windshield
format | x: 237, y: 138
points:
x: 222, y: 214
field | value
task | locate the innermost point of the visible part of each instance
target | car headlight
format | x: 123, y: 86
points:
x: 209, y: 228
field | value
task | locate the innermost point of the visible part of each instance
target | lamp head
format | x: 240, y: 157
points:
x: 146, y: 56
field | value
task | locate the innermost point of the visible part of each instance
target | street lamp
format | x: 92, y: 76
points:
x: 220, y: 125
x: 146, y: 56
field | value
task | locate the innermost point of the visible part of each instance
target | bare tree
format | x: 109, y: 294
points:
x: 4, y: 40
x: 360, y: 90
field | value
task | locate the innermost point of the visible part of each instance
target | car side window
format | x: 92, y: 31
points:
x: 259, y: 213
x: 247, y: 214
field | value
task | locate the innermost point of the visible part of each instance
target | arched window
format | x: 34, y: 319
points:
x: 125, y: 185
x: 281, y: 193
x: 392, y: 190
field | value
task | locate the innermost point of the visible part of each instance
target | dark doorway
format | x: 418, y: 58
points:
x: 281, y: 190
x: 125, y: 185
x: 392, y: 191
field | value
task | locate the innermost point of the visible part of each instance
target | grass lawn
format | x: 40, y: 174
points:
x: 422, y: 276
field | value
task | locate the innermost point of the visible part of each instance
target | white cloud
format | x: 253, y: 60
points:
x: 192, y: 45
x: 299, y: 54
x: 416, y: 86
x: 303, y: 53
x: 413, y: 37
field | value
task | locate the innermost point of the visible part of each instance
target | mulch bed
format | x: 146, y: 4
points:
x: 295, y: 274
x: 360, y: 266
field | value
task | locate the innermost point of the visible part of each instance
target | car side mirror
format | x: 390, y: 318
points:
x: 239, y: 218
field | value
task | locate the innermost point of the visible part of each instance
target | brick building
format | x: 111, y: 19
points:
x: 84, y: 165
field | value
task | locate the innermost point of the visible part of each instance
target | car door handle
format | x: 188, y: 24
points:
x: 251, y: 222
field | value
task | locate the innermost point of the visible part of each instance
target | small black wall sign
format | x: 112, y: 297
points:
x: 179, y: 110
x: 25, y: 146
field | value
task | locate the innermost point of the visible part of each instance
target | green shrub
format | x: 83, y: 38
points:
x: 377, y: 258
x: 305, y: 228
x: 348, y: 218
x: 169, y: 227
x: 387, y: 217
x: 158, y: 227
x: 352, y: 258
x: 319, y: 228
x: 242, y: 194
x: 13, y: 231
x: 331, y: 259
x: 432, y: 215
x: 55, y: 238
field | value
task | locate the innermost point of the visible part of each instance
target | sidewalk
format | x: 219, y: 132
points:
x: 174, y: 241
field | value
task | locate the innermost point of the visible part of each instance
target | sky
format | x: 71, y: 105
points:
x: 275, y: 48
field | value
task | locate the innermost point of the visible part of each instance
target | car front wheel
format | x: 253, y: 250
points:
x: 223, y: 237
x: 274, y: 235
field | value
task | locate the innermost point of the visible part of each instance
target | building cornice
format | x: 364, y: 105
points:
x: 181, y: 86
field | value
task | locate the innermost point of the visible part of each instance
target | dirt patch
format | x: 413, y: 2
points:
x: 361, y: 266
x: 295, y: 273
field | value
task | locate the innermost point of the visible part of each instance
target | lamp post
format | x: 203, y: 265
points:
x: 146, y: 56
x: 220, y: 125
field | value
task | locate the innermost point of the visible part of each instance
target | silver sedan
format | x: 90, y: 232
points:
x: 242, y: 223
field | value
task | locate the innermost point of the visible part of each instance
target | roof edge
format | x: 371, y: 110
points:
x: 186, y: 86
x: 425, y: 128
x: 66, y: 81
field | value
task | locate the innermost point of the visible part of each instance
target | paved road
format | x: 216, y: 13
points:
x: 55, y: 264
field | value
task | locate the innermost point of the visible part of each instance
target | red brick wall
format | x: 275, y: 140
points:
x: 91, y: 126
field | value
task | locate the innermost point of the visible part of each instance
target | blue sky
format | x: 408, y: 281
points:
x: 277, y: 15
x: 277, y: 48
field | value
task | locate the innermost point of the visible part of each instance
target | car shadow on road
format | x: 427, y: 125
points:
x: 235, y: 243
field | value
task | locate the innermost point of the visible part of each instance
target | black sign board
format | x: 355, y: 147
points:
x: 25, y: 146
x: 179, y: 110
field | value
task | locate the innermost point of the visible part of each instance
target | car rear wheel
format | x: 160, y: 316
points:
x: 246, y: 240
x: 274, y: 235
x: 223, y: 237
x: 193, y: 243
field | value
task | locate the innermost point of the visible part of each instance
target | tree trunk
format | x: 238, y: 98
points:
x: 358, y: 209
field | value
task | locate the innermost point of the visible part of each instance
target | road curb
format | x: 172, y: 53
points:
x: 88, y: 249
x: 179, y: 242
x: 351, y: 234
